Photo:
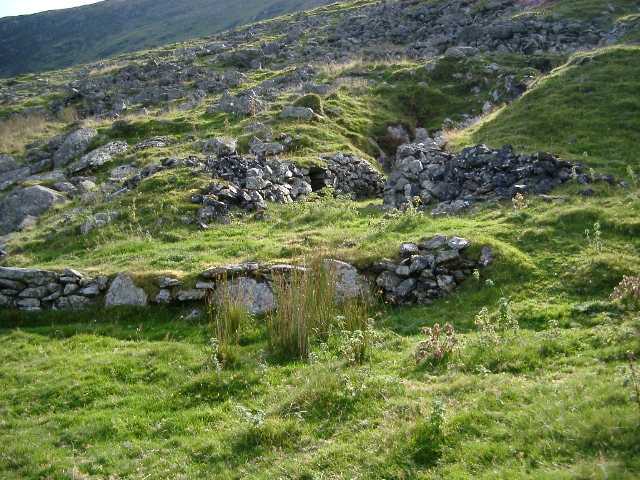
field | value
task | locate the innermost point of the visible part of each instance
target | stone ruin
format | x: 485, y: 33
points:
x: 426, y: 176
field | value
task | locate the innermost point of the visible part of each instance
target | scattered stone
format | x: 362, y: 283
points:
x: 220, y: 146
x: 297, y: 113
x: 97, y: 221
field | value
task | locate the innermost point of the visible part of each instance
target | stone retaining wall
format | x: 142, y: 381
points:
x: 427, y: 270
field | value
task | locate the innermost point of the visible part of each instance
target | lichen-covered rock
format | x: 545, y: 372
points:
x: 99, y: 156
x: 256, y: 296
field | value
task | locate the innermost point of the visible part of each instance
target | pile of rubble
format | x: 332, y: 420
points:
x: 427, y: 176
x: 427, y: 270
x: 348, y: 175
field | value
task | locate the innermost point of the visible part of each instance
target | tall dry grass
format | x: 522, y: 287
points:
x: 19, y: 130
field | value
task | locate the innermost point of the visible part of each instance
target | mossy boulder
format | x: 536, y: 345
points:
x: 312, y: 101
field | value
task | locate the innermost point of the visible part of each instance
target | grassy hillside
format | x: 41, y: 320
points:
x: 587, y: 110
x: 49, y: 40
x: 542, y: 381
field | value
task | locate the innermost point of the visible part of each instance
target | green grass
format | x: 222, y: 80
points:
x: 133, y: 393
x: 586, y: 110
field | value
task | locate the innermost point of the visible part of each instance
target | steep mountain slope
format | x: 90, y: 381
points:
x: 58, y: 39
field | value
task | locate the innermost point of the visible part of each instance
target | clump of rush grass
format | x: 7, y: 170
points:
x: 306, y: 300
x: 228, y: 317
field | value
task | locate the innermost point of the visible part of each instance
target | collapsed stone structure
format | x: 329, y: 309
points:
x: 427, y: 270
x: 247, y: 182
x: 427, y: 176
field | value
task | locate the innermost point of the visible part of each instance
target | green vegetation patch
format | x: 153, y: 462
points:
x: 586, y: 110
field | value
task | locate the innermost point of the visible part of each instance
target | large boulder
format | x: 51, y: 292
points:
x: 257, y: 297
x: 26, y: 202
x: 349, y: 283
x: 123, y: 291
x: 99, y: 156
x: 74, y: 145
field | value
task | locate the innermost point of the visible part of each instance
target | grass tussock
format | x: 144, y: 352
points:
x: 306, y: 300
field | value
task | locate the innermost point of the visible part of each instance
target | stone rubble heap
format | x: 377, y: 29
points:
x: 427, y: 176
x: 427, y: 270
x: 249, y: 181
x: 349, y: 175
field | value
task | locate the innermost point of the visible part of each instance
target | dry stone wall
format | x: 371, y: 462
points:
x: 425, y: 271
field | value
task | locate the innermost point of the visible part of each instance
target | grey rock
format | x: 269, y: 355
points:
x: 220, y: 146
x: 408, y: 249
x: 169, y: 282
x: 257, y: 297
x: 74, y: 145
x: 349, y: 283
x: 24, y: 202
x: 123, y: 172
x: 388, y: 281
x: 458, y: 243
x: 72, y: 302
x: 297, y: 113
x: 164, y: 296
x: 123, y: 291
x: 70, y: 288
x: 28, y: 304
x: 99, y: 156
x: 486, y: 256
x: 447, y: 256
x: 28, y: 276
x: 91, y: 290
x: 99, y: 220
x: 34, y: 292
x: 405, y: 287
x: 434, y: 243
x: 7, y: 163
x: 190, y: 295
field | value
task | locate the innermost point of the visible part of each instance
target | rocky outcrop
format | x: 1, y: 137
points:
x: 23, y: 203
x: 428, y: 177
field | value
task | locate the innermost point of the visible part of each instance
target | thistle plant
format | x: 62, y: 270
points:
x: 438, y: 347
